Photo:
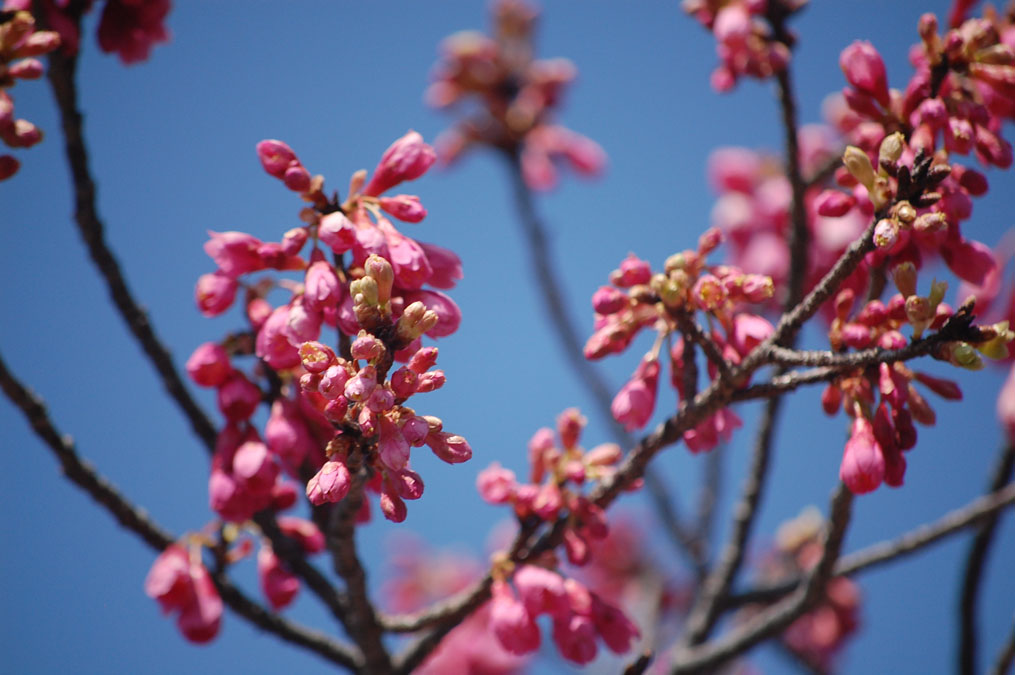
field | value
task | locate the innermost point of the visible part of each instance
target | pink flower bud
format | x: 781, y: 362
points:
x: 361, y: 385
x: 403, y: 383
x: 366, y: 347
x: 214, y: 293
x: 392, y: 446
x: 608, y: 300
x: 864, y: 70
x: 408, y: 158
x: 831, y: 399
x: 297, y: 179
x: 834, y: 204
x: 276, y: 157
x: 495, y: 484
x: 279, y: 585
x: 168, y: 580
x: 946, y: 389
x: 548, y: 501
x: 209, y: 365
x: 541, y: 591
x: 613, y: 626
x: 238, y: 397
x: 634, y: 403
x: 886, y: 233
x: 287, y: 434
x: 322, y: 286
x: 749, y: 330
x: 38, y: 43
x: 575, y: 637
x: 337, y: 232
x: 415, y: 430
x: 235, y: 253
x: 404, y: 207
x: 305, y: 531
x: 258, y: 311
x: 450, y: 448
x: 569, y: 427
x: 412, y: 269
x: 380, y: 400
x: 254, y: 468
x: 510, y: 622
x: 9, y: 166
x: 330, y: 484
x: 272, y: 343
x: 430, y: 381
x: 423, y: 360
x: 26, y: 69
x: 316, y: 357
x: 408, y: 484
x: 333, y: 381
x: 863, y: 461
x: 633, y: 270
x: 392, y: 506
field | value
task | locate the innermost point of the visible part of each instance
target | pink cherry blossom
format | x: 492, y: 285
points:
x: 408, y: 158
x: 279, y: 585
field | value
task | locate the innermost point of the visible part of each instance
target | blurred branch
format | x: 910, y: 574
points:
x: 1005, y: 657
x: 559, y: 314
x: 79, y: 472
x: 775, y: 619
x: 62, y: 68
x: 892, y: 549
x: 976, y: 560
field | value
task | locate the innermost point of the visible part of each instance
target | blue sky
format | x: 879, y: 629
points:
x: 172, y: 146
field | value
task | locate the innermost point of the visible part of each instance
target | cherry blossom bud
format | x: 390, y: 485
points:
x: 613, y: 626
x: 495, y: 484
x: 361, y: 385
x: 423, y: 360
x: 316, y: 357
x: 632, y: 271
x: 408, y: 158
x: 834, y: 203
x: 608, y: 300
x: 575, y: 637
x: 38, y: 43
x: 214, y: 293
x: 404, y: 207
x: 634, y: 403
x: 322, y: 286
x: 333, y: 381
x: 831, y: 399
x: 904, y: 275
x: 209, y: 365
x: 330, y: 484
x: 238, y: 397
x: 279, y: 585
x: 864, y: 70
x: 272, y: 343
x: 9, y: 166
x: 541, y: 591
x: 235, y: 253
x: 430, y: 381
x: 946, y: 389
x: 305, y: 531
x: 604, y: 455
x: 510, y: 622
x: 569, y: 427
x: 366, y: 347
x: 548, y: 501
x: 863, y: 461
x: 449, y: 316
x: 392, y: 506
x: 26, y: 69
x: 392, y: 447
x: 859, y: 166
x: 886, y: 233
x: 276, y: 157
x: 168, y: 580
x: 450, y: 448
x: 576, y: 548
x: 415, y: 430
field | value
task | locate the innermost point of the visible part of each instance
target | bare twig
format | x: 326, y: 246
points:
x: 892, y: 549
x: 62, y: 68
x: 1005, y: 662
x: 79, y: 472
x: 690, y: 328
x: 640, y: 665
x: 975, y: 561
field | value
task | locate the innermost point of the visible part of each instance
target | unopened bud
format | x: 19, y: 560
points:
x: 859, y: 166
x: 416, y: 320
x: 937, y: 293
x: 904, y: 275
x: 931, y: 222
x: 905, y: 212
x: 364, y: 291
x: 886, y: 233
x: 381, y: 272
x: 965, y: 356
x: 891, y: 148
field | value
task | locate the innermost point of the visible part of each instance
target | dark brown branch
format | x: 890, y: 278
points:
x: 976, y: 559
x: 775, y: 619
x: 892, y: 549
x: 690, y: 328
x: 640, y: 665
x: 360, y: 616
x: 61, y: 73
x: 79, y: 472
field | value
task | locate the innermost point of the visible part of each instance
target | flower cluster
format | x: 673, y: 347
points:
x: 20, y: 43
x: 342, y: 412
x: 130, y: 28
x: 181, y: 583
x: 746, y: 42
x: 883, y: 400
x: 821, y: 633
x: 668, y: 301
x: 580, y: 616
x: 556, y: 478
x: 518, y: 96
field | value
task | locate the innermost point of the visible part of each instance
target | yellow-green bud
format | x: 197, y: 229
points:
x: 859, y: 165
x: 891, y: 148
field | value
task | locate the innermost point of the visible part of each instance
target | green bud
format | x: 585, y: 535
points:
x: 891, y: 148
x: 964, y: 355
x: 859, y: 165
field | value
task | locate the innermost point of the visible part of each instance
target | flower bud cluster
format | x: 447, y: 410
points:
x: 819, y: 635
x: 580, y: 616
x: 518, y: 95
x: 882, y: 399
x: 181, y: 583
x: 557, y: 476
x: 638, y: 298
x: 20, y: 43
x: 745, y: 42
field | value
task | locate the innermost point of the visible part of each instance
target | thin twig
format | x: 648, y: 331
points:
x: 891, y: 550
x: 976, y: 559
x: 79, y: 472
x: 62, y: 67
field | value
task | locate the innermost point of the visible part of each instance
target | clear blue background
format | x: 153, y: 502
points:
x: 172, y: 145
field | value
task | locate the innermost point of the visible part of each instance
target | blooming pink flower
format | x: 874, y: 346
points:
x: 575, y: 637
x: 613, y: 626
x: 408, y: 158
x: 541, y: 590
x: 235, y: 253
x: 181, y: 585
x: 200, y: 619
x: 496, y: 484
x: 131, y: 27
x: 279, y: 585
x: 322, y: 286
x: 254, y: 467
x: 863, y: 461
x: 238, y: 397
x: 510, y: 622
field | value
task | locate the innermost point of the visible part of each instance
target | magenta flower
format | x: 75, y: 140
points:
x: 279, y: 585
x: 575, y: 637
x: 131, y: 27
x: 235, y: 253
x: 865, y: 71
x: 510, y: 622
x: 541, y: 590
x: 238, y: 397
x: 496, y: 484
x: 863, y: 461
x: 330, y: 484
x: 209, y: 365
x: 408, y: 158
x: 215, y: 293
x: 634, y: 403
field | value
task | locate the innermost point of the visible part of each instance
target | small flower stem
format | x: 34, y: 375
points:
x: 129, y: 516
x: 976, y: 560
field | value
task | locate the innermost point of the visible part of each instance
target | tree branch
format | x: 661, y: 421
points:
x: 62, y: 68
x: 79, y: 472
x: 892, y: 549
x: 976, y: 559
x: 1005, y: 657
